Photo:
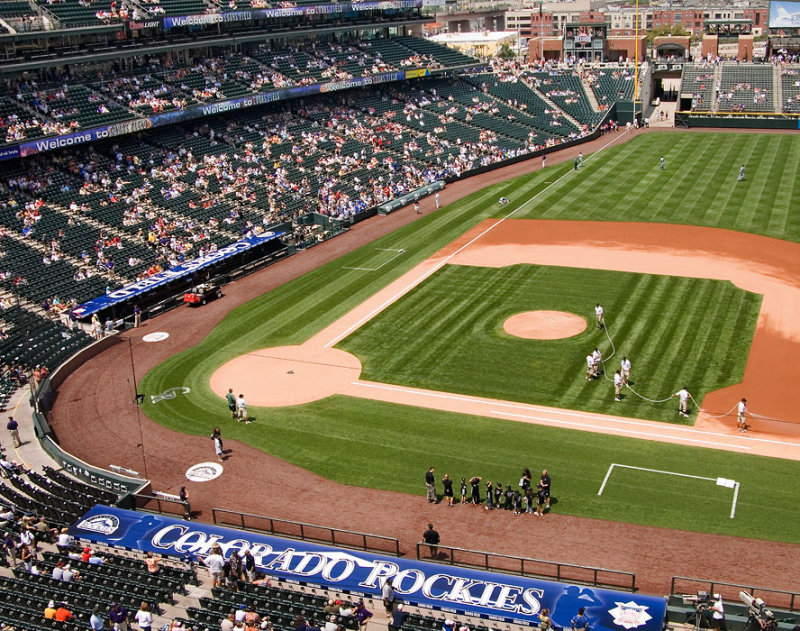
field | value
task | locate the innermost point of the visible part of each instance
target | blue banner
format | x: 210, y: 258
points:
x: 179, y: 271
x: 200, y: 19
x: 447, y: 588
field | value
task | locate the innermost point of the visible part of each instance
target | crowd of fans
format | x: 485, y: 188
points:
x: 123, y: 211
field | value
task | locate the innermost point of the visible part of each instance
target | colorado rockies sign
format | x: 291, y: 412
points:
x: 447, y: 588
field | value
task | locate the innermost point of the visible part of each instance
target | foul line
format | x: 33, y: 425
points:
x: 445, y: 260
x: 558, y: 412
x: 719, y: 481
x: 375, y: 269
x: 299, y: 361
x: 617, y: 430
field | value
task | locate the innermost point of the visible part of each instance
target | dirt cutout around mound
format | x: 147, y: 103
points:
x: 544, y: 325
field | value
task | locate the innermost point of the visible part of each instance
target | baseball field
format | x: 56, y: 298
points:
x: 422, y: 311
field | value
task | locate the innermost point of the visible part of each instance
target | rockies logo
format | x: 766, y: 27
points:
x: 171, y: 393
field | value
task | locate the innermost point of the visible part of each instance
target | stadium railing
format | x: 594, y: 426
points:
x: 161, y: 503
x: 523, y: 566
x: 307, y: 532
x: 774, y: 598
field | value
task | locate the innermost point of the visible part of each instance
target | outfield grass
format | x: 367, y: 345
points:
x: 380, y: 445
x: 447, y: 334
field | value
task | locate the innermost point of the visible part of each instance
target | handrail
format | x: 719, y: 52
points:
x: 524, y: 566
x: 308, y: 532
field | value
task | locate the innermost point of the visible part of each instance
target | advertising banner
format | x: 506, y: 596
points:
x: 202, y: 19
x: 444, y: 587
x: 156, y: 280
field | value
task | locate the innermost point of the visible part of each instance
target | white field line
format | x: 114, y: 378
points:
x: 375, y: 269
x: 617, y: 430
x: 605, y: 479
x: 735, y: 499
x: 443, y: 262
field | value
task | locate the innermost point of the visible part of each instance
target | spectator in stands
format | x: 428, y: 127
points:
x: 50, y: 611
x: 580, y: 622
x: 62, y: 613
x: 398, y: 618
x: 249, y: 565
x: 44, y: 534
x: 13, y: 430
x: 387, y: 593
x: 151, y: 561
x: 10, y: 549
x: 229, y: 578
x: 144, y: 618
x: 96, y: 622
x: 65, y: 541
x: 215, y: 564
x: 58, y: 571
x: 227, y: 623
x: 235, y: 562
x: 69, y: 575
x: 330, y: 624
x: 25, y: 556
x: 118, y: 616
x: 362, y: 614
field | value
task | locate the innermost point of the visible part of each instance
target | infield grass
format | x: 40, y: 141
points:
x: 447, y: 334
x: 380, y: 445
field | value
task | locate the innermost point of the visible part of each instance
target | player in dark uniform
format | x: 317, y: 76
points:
x: 498, y: 495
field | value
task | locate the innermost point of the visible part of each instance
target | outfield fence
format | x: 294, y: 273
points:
x: 523, y: 566
x: 774, y: 598
x: 307, y: 532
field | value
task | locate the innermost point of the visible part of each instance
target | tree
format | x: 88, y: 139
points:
x: 505, y: 52
x: 662, y: 31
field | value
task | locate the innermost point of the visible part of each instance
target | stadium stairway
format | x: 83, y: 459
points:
x: 558, y: 108
x: 777, y: 90
x: 587, y: 88
x: 715, y: 82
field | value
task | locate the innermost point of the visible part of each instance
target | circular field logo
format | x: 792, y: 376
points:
x: 204, y: 472
x: 158, y: 336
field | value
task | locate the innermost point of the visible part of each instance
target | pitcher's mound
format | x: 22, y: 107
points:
x: 544, y: 325
x: 286, y: 375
